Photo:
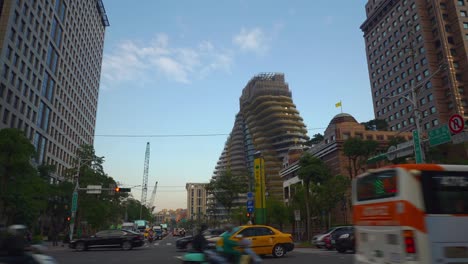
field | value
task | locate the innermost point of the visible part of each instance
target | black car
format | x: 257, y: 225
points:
x: 186, y: 242
x: 109, y: 238
x: 345, y: 241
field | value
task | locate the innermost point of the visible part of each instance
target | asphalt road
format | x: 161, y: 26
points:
x: 164, y: 251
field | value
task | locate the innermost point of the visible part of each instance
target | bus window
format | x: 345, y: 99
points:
x: 377, y: 186
x: 445, y: 192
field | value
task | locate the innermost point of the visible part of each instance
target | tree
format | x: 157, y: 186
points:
x: 277, y: 212
x: 376, y: 124
x: 22, y: 192
x: 358, y: 152
x: 331, y: 192
x: 226, y: 189
x: 317, y: 138
x: 311, y: 169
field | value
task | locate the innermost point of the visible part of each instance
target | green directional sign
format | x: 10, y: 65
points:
x: 440, y: 135
x: 74, y: 201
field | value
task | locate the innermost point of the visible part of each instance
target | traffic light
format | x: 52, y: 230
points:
x: 68, y: 218
x: 248, y: 215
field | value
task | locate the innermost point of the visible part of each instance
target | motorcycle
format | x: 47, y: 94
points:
x: 211, y: 256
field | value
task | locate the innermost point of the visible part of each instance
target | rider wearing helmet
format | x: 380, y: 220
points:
x: 199, y: 242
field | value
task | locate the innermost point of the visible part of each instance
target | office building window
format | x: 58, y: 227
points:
x: 435, y: 122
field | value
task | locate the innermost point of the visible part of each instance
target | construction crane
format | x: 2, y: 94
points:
x: 145, y: 179
x: 151, y: 205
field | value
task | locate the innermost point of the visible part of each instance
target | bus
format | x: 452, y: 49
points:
x: 142, y: 225
x: 411, y: 213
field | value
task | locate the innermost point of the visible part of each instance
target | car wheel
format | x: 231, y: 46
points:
x: 80, y: 246
x: 341, y: 250
x: 126, y: 245
x: 278, y: 251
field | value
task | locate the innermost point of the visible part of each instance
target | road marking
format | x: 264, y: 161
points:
x: 168, y: 243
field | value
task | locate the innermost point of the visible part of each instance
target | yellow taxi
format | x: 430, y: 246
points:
x: 265, y: 240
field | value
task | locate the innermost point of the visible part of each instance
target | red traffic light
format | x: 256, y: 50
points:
x: 68, y: 218
x: 117, y: 189
x: 248, y: 214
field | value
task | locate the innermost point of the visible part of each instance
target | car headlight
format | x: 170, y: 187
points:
x: 344, y: 236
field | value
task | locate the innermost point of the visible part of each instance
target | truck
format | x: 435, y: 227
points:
x: 129, y: 226
x: 141, y: 225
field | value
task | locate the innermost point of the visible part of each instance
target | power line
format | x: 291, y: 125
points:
x: 174, y: 135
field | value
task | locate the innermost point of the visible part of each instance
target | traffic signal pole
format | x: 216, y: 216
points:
x: 75, y: 197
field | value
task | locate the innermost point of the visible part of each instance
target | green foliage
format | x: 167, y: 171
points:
x: 227, y: 187
x: 358, y: 152
x: 277, y: 212
x: 22, y: 191
x: 317, y: 138
x: 376, y: 124
x: 312, y: 169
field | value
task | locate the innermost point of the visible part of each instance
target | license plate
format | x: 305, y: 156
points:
x: 333, y: 241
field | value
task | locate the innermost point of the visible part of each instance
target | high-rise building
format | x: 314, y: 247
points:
x: 269, y: 123
x: 50, y: 60
x: 196, y: 201
x: 422, y: 46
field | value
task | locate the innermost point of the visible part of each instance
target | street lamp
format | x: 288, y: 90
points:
x: 417, y: 114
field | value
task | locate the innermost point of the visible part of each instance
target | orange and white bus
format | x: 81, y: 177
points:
x: 412, y: 213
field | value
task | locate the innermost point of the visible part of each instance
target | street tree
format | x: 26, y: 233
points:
x: 358, y: 152
x: 311, y: 169
x: 277, y: 212
x: 227, y: 188
x: 330, y: 193
x: 22, y: 192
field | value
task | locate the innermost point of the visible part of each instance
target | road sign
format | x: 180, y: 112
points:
x: 456, y: 123
x: 250, y: 206
x: 440, y: 135
x: 250, y: 195
x: 93, y: 189
x: 417, y: 147
x: 391, y: 152
x: 297, y: 215
x: 74, y: 201
x: 460, y: 138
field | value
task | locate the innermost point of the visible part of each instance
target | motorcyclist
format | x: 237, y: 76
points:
x: 199, y: 242
x: 229, y: 246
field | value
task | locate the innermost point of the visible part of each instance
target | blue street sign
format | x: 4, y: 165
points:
x: 250, y: 195
x: 250, y: 206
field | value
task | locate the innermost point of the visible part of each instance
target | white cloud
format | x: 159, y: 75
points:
x: 132, y: 61
x: 252, y: 40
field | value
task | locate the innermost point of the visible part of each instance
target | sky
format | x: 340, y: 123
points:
x: 177, y: 68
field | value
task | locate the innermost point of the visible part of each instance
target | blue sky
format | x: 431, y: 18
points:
x: 178, y: 68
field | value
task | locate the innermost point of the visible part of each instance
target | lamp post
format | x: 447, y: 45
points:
x: 417, y: 114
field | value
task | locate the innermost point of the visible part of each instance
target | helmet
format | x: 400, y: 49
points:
x: 203, y: 227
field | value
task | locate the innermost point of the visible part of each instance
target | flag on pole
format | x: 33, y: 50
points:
x: 339, y: 105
